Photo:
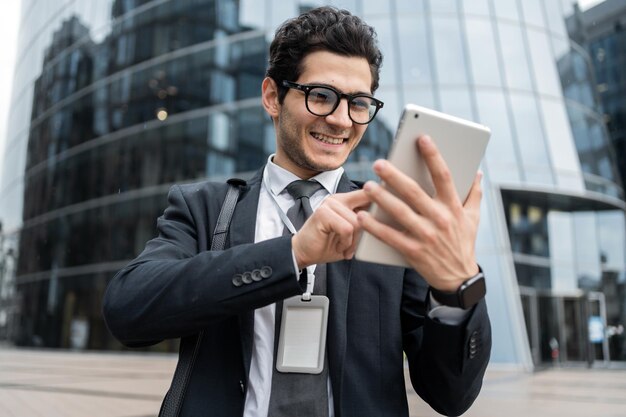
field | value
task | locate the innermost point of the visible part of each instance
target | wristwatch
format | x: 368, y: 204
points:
x: 468, y: 294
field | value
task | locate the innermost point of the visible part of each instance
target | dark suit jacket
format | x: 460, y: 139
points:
x: 176, y: 287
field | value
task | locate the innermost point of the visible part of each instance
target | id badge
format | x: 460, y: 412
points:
x: 302, y: 342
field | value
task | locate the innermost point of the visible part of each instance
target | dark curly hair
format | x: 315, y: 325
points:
x: 327, y: 29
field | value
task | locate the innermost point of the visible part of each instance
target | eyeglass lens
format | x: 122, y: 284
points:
x: 323, y: 101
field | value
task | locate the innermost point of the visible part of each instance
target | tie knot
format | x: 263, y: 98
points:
x: 302, y: 188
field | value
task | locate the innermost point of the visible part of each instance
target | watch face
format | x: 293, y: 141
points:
x: 473, y: 292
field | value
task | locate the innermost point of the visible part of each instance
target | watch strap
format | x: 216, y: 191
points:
x: 466, y: 296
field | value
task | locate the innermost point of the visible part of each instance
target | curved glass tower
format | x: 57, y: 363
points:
x: 115, y: 100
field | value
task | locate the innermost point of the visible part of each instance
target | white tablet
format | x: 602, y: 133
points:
x: 462, y: 144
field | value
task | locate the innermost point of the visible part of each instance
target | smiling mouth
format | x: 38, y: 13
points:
x: 328, y: 139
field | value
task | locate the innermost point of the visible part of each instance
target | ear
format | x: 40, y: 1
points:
x: 269, y: 96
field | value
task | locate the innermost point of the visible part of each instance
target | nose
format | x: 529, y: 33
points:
x: 340, y: 116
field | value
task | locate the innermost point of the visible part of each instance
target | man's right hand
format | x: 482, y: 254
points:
x: 332, y: 231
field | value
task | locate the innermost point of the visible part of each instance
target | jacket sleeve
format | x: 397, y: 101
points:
x: 446, y: 363
x: 173, y: 290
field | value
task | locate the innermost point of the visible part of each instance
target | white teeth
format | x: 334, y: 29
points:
x: 327, y: 139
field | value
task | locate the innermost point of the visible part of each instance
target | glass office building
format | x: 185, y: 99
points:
x: 601, y: 31
x: 115, y: 100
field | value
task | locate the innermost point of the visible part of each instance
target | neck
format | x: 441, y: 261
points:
x: 300, y: 172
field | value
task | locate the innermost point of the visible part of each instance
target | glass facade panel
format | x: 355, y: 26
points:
x: 517, y: 71
x: 422, y: 96
x: 387, y: 42
x: 501, y: 151
x: 533, y: 13
x: 506, y: 9
x: 444, y: 6
x: 478, y: 7
x: 531, y: 140
x: 449, y: 52
x: 482, y: 53
x: 528, y: 228
x: 456, y: 102
x: 562, y: 151
x: 413, y: 37
x: 546, y: 77
x: 554, y: 17
x: 562, y: 251
x: 534, y: 276
x: 612, y: 240
x: 409, y: 6
x: 252, y: 13
x: 587, y: 250
x: 374, y: 7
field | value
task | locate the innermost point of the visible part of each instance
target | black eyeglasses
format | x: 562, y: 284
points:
x: 322, y: 100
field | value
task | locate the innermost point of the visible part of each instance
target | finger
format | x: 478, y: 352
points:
x: 398, y: 210
x: 354, y: 200
x: 340, y: 209
x: 472, y: 202
x: 394, y: 238
x: 405, y: 187
x: 439, y: 171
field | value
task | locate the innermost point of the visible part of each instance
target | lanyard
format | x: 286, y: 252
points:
x: 310, y: 270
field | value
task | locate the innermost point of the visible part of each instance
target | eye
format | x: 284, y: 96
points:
x: 361, y: 104
x: 322, y: 95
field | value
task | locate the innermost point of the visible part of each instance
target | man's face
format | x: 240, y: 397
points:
x: 307, y: 144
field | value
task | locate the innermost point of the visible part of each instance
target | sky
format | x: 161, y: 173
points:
x: 8, y: 36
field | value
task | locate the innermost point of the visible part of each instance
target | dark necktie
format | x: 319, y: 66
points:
x: 302, y: 395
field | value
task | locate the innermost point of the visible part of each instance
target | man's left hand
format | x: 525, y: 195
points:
x: 439, y: 233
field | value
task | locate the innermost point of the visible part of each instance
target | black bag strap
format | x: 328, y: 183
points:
x: 190, y: 345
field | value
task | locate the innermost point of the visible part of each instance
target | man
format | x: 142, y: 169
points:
x: 324, y: 68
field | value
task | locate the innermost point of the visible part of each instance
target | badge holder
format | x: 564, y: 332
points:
x: 302, y: 342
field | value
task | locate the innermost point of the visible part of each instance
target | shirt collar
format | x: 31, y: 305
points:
x: 279, y: 177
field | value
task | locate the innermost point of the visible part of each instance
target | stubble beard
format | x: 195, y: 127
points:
x: 291, y: 144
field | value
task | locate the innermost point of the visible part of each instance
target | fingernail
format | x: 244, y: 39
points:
x: 369, y: 186
x: 425, y: 140
x: 380, y: 165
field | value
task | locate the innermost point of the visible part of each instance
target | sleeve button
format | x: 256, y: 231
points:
x: 256, y: 275
x: 237, y: 280
x: 246, y: 277
x: 266, y: 272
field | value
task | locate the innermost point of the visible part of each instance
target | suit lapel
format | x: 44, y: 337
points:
x: 242, y: 231
x: 338, y: 284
